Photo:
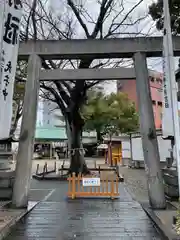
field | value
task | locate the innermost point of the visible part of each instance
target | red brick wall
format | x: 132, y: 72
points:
x: 129, y: 87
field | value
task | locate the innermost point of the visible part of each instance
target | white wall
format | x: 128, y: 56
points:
x: 137, y: 151
x: 47, y: 114
x: 164, y: 149
x: 126, y: 153
x: 39, y: 119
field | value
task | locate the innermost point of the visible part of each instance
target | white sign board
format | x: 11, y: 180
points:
x: 167, y: 117
x: 91, y: 182
x: 8, y: 60
x: 137, y: 149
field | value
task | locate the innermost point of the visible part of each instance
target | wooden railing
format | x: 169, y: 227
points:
x: 107, y: 188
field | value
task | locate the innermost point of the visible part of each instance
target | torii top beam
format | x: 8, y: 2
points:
x: 96, y: 48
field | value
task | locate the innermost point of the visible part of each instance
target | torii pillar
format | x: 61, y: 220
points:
x: 26, y: 142
x: 148, y: 134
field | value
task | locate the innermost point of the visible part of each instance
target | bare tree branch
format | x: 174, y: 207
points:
x: 44, y: 23
x: 117, y: 25
x: 103, y: 10
x: 83, y: 25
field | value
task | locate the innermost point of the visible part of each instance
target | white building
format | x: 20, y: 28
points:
x: 48, y: 114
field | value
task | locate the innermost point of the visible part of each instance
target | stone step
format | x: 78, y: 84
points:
x: 7, y: 174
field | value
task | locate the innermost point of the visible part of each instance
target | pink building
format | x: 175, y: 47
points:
x: 155, y: 78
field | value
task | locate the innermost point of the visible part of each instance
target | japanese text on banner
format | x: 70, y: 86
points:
x: 9, y: 52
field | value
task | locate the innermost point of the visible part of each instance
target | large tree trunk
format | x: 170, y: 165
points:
x: 99, y: 136
x: 14, y: 125
x: 69, y: 138
x: 77, y: 164
x: 17, y: 117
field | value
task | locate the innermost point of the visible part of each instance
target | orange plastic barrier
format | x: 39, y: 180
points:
x: 107, y: 188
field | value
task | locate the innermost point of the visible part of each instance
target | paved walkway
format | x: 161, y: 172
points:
x: 86, y: 219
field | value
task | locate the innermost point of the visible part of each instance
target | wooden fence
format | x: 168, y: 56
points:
x: 107, y: 188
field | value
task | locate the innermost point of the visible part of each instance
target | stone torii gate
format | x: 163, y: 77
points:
x: 136, y: 48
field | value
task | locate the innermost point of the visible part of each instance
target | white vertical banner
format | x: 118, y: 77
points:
x: 2, y: 12
x: 9, y: 54
x: 167, y: 115
x: 173, y: 85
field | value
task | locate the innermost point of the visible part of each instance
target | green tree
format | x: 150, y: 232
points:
x: 110, y: 114
x: 156, y: 12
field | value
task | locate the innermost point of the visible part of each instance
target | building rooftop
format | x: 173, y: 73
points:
x: 51, y: 134
x: 57, y: 134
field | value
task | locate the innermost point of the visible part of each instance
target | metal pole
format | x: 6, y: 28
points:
x: 173, y: 86
x: 26, y: 141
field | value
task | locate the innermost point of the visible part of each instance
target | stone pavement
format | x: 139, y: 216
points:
x: 85, y: 219
x: 9, y: 217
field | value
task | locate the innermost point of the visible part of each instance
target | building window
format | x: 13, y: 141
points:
x: 151, y: 79
x: 160, y: 104
x: 153, y: 102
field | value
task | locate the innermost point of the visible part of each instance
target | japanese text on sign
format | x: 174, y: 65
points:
x: 15, y: 3
x: 2, y: 60
x: 7, y: 71
x: 91, y: 182
x: 166, y: 100
x: 11, y: 29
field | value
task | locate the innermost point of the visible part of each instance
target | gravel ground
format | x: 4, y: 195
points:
x: 135, y: 180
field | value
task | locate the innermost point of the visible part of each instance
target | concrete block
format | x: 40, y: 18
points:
x: 170, y: 180
x: 171, y: 191
x: 5, y: 193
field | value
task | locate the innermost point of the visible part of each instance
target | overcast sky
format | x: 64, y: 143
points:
x: 146, y: 26
x: 153, y: 63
